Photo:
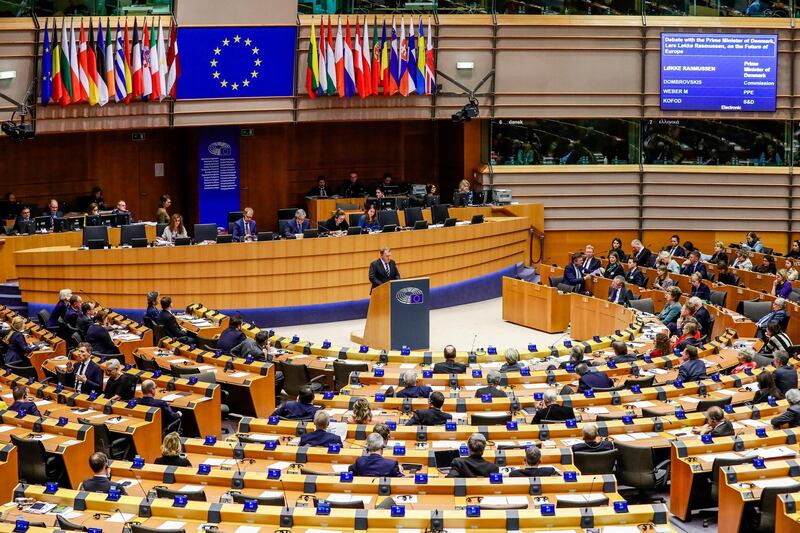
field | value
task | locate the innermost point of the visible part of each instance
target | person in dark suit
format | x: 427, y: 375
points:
x: 118, y: 386
x: 692, y: 368
x: 52, y: 211
x: 101, y: 481
x: 700, y: 289
x: 244, y: 229
x: 719, y: 254
x: 690, y: 337
x: 785, y: 374
x: 639, y: 252
x: 790, y: 417
x: 725, y: 276
x: 97, y: 335
x: 551, y: 410
x: 533, y: 458
x: 590, y: 263
x: 83, y: 374
x: 171, y: 452
x: 766, y: 389
x: 297, y: 225
x: 634, y: 274
x: 338, y: 222
x: 512, y: 363
x: 693, y: 264
x: 168, y: 415
x: 590, y: 442
x: 411, y: 390
x: 716, y: 424
x: 24, y: 222
x: 170, y: 323
x: 592, y: 379
x: 22, y: 403
x: 74, y: 310
x: 778, y: 314
x: 352, y: 188
x: 18, y: 347
x: 302, y: 409
x: 231, y: 336
x: 383, y: 269
x: 433, y: 416
x: 257, y: 348
x: 675, y: 249
x: 474, y: 465
x: 493, y: 380
x: 320, y: 436
x: 85, y: 318
x: 374, y: 464
x: 621, y: 354
x: 616, y: 247
x: 573, y: 273
x: 320, y: 190
x: 60, y: 308
x: 449, y: 366
x: 152, y: 311
x: 618, y: 293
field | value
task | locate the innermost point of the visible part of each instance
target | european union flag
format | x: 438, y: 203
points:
x: 237, y: 62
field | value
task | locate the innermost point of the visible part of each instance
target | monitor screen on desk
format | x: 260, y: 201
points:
x: 43, y: 223
x: 95, y: 233
x: 130, y: 232
x: 205, y: 232
x: 388, y: 203
x: 94, y: 220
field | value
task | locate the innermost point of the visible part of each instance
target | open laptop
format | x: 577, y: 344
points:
x: 444, y: 459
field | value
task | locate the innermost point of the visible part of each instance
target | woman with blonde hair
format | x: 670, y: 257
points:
x: 60, y: 309
x: 171, y: 451
x: 362, y: 413
x: 18, y: 347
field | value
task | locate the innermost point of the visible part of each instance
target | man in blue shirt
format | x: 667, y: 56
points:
x: 302, y: 409
x: 374, y: 464
x: 573, y: 273
x: 693, y: 264
x: 232, y: 336
x: 693, y: 369
x: 778, y: 314
x: 244, y: 229
x: 411, y: 390
x: 320, y: 437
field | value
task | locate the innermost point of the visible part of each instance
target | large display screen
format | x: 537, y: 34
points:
x: 718, y: 72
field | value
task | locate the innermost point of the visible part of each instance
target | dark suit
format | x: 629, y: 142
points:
x: 415, y: 392
x: 642, y: 256
x: 449, y: 367
x: 635, y: 276
x: 293, y: 228
x: 717, y: 257
x: 172, y: 460
x: 494, y: 392
x: 249, y: 348
x: 622, y: 359
x: 723, y: 429
x: 124, y: 387
x: 100, y: 483
x: 351, y: 190
x: 229, y: 338
x: 594, y: 380
x: 692, y: 370
x: 18, y: 348
x: 379, y: 276
x: 777, y: 316
x: 152, y: 313
x: 29, y: 407
x: 429, y: 417
x: 94, y: 378
x: 702, y: 292
x: 82, y: 324
x: 296, y: 410
x: 690, y: 269
x: 100, y: 340
x: 785, y: 378
x: 170, y: 324
x: 791, y: 417
x: 53, y: 217
x: 677, y: 251
x: 573, y: 276
x: 168, y: 415
x: 472, y: 466
x: 318, y: 191
x: 319, y: 437
x: 590, y: 265
x: 374, y: 465
x: 727, y: 278
x: 534, y: 471
x: 599, y: 446
x: 23, y: 225
x: 689, y: 341
x: 239, y: 233
x: 331, y: 224
x: 704, y: 319
x: 624, y: 298
x: 553, y: 412
x: 58, y: 312
x: 71, y: 316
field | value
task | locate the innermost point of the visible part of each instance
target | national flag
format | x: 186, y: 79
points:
x: 74, y: 67
x: 358, y: 61
x: 173, y: 62
x: 430, y: 68
x: 102, y: 85
x: 349, y: 66
x: 384, y: 61
x: 119, y: 68
x: 394, y: 64
x: 126, y: 43
x: 330, y: 61
x: 155, y: 63
x: 162, y: 64
x: 47, y: 68
x: 136, y: 62
x: 147, y: 80
x: 403, y: 72
x: 376, y: 57
x: 83, y: 65
x: 411, y: 59
x: 110, y: 68
x: 66, y: 75
x: 339, y: 58
x: 420, y: 68
x: 58, y: 83
x: 366, y: 61
x: 91, y: 67
x: 312, y: 70
x: 322, y: 72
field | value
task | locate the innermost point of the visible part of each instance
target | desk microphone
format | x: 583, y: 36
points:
x: 591, y: 488
x: 92, y: 298
x: 474, y: 339
x: 233, y: 454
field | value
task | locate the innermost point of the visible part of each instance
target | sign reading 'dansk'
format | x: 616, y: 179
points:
x: 718, y: 72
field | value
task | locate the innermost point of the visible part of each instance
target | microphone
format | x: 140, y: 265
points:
x: 591, y: 488
x: 233, y: 454
x: 472, y: 349
x: 92, y: 298
x: 251, y: 322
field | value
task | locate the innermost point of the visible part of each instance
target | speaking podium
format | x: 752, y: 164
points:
x: 399, y: 315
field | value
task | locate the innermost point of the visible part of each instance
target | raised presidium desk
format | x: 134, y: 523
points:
x: 283, y: 273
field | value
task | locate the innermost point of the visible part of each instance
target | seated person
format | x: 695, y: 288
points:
x: 411, y: 390
x: 493, y: 380
x: 742, y: 261
x: 614, y: 267
x: 790, y: 417
x: 700, y: 289
x: 693, y: 265
x: 767, y: 266
x: 433, y: 416
x: 122, y: 209
x: 621, y: 354
x: 618, y: 293
x: 175, y: 229
x: 716, y: 424
x: 575, y: 358
x: 690, y: 337
x: 719, y: 255
x: 785, y: 374
x: 22, y: 403
x: 24, y: 222
x: 85, y: 318
x: 590, y: 442
x: 512, y: 363
x: 320, y: 190
x: 101, y: 481
x: 152, y: 311
x: 170, y: 323
x: 777, y: 314
x: 634, y: 274
x: 674, y: 248
x: 725, y: 276
x: 231, y: 336
x: 662, y: 346
x: 592, y: 379
x: 383, y: 430
x: 118, y: 386
x: 297, y: 225
x: 746, y: 356
x: 672, y: 309
x: 302, y: 409
x: 59, y: 309
x: 662, y: 282
x: 369, y: 219
x: 701, y: 315
x: 591, y: 264
x: 168, y: 415
x: 474, y: 465
x: 373, y: 464
x: 171, y: 452
x: 552, y: 411
x: 692, y: 368
x: 320, y: 436
x: 573, y: 273
x: 18, y: 347
x: 338, y: 222
x: 781, y: 287
x: 97, y: 335
x: 766, y: 388
x: 533, y: 458
x: 449, y: 366
x: 83, y: 374
x: 362, y: 412
x: 244, y: 229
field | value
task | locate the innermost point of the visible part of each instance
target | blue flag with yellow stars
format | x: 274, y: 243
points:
x: 237, y: 62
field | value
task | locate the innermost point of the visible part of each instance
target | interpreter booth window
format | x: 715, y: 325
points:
x: 564, y: 142
x: 717, y: 142
x: 81, y: 8
x: 568, y: 7
x: 399, y: 7
x: 720, y: 8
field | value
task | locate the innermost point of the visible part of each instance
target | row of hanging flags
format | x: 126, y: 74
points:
x: 110, y: 69
x: 387, y: 66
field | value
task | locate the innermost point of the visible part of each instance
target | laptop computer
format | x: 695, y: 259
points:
x: 477, y: 219
x: 224, y: 239
x: 356, y: 230
x: 266, y: 236
x: 390, y: 228
x: 310, y: 234
x: 138, y: 242
x: 421, y: 224
x: 183, y: 241
x: 449, y: 223
x: 444, y: 459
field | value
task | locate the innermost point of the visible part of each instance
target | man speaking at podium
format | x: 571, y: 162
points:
x: 383, y: 269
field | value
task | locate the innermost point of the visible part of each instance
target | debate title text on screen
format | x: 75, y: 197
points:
x: 677, y: 45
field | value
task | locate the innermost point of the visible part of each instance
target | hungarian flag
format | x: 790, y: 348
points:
x: 147, y: 80
x: 111, y: 61
x: 322, y: 70
x: 58, y: 83
x: 366, y: 61
x: 83, y: 65
x: 174, y: 71
x: 136, y: 62
x: 100, y: 52
x: 349, y: 65
x: 358, y: 62
x: 376, y: 57
x: 47, y: 68
x: 91, y: 67
x: 155, y: 63
x: 394, y: 65
x: 312, y: 70
x: 119, y: 67
x: 430, y: 68
x: 330, y: 61
x: 74, y: 68
x: 66, y: 75
x: 162, y: 64
x: 126, y: 60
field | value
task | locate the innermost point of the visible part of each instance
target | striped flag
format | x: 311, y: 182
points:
x: 91, y: 67
x: 147, y: 80
x: 136, y: 62
x: 349, y: 66
x: 110, y: 69
x: 74, y: 68
x: 330, y: 61
x: 394, y: 64
x: 66, y: 75
x: 173, y: 62
x: 83, y: 66
x: 366, y: 61
x: 376, y: 57
x: 312, y: 69
x: 322, y: 71
x: 47, y: 68
x: 126, y: 44
x: 340, y: 61
x: 403, y: 72
x: 102, y: 86
x: 155, y: 63
x: 162, y: 64
x: 358, y: 61
x: 58, y: 83
x: 430, y: 68
x: 119, y: 68
x: 420, y: 68
x: 385, y: 61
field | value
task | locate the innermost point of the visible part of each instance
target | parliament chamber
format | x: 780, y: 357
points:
x: 323, y: 266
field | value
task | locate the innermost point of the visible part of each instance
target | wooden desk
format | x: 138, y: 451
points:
x: 321, y: 209
x: 592, y: 316
x: 9, y: 471
x: 51, y: 344
x: 787, y: 519
x: 535, y: 306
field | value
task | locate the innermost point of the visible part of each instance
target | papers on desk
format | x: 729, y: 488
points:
x: 247, y: 529
x: 337, y: 411
x: 117, y: 420
x: 3, y: 429
x: 42, y: 402
x: 689, y: 399
x: 727, y: 392
x: 504, y: 500
x: 119, y: 518
x: 69, y: 515
x: 493, y: 364
x: 238, y: 374
x: 42, y: 436
x: 774, y: 483
x: 535, y: 386
x: 172, y: 524
x: 70, y: 442
x: 217, y: 461
x: 570, y: 442
x: 752, y: 387
x: 405, y: 366
x: 340, y: 468
x: 100, y: 415
x: 190, y: 488
x: 177, y: 360
x: 659, y: 371
x: 643, y: 403
x: 578, y: 498
x: 754, y: 423
x: 280, y: 465
x: 262, y: 437
x: 709, y: 364
x: 596, y: 410
x: 771, y: 453
x: 709, y: 458
x: 338, y: 428
x: 472, y: 388
x: 205, y: 368
x: 621, y: 529
x: 171, y: 397
x: 449, y: 444
x: 126, y: 337
x: 347, y: 498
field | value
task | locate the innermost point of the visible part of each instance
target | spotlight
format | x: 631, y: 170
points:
x: 17, y: 132
x: 468, y: 112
